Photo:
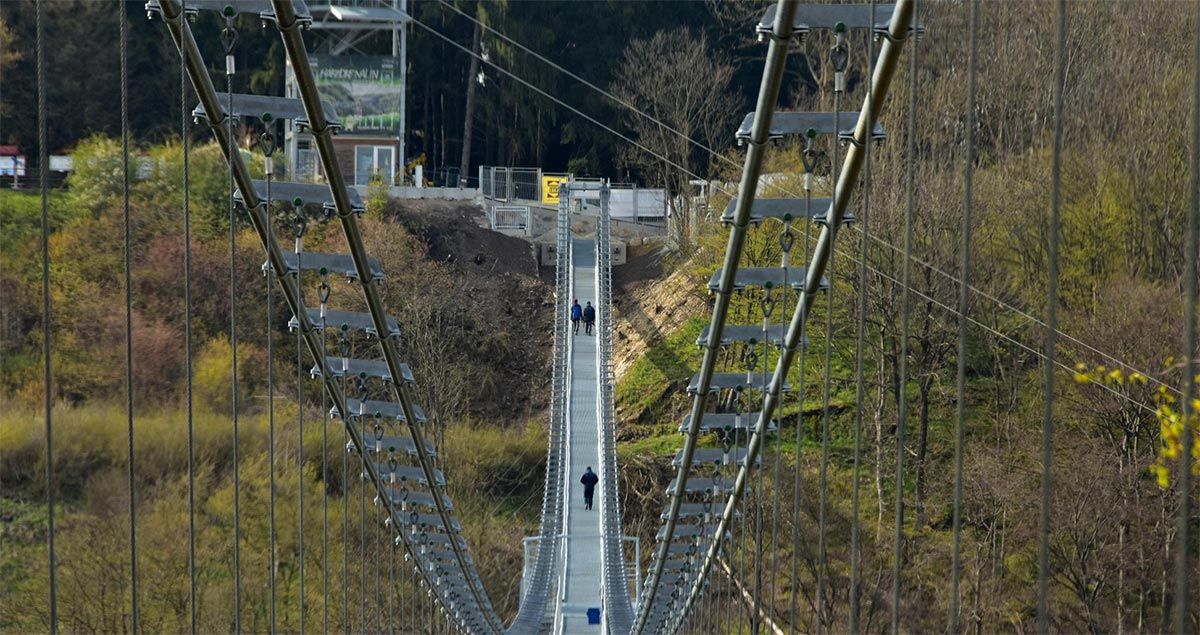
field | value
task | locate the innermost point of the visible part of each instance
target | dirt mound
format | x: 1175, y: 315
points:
x: 499, y: 333
x: 457, y: 233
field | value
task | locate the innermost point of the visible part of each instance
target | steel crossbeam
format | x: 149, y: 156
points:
x: 784, y: 209
x: 365, y: 409
x: 266, y: 107
x: 346, y: 321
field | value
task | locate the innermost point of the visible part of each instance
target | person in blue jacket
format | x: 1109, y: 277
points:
x: 576, y: 315
x: 589, y: 481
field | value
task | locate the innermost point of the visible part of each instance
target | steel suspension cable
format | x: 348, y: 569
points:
x: 809, y: 157
x: 363, y: 528
x: 362, y: 533
x: 786, y: 241
x: 758, y: 493
x: 376, y: 558
x: 128, y: 281
x: 391, y: 584
x: 229, y: 39
x: 271, y: 389
x: 860, y: 345
x: 1181, y: 588
x: 823, y: 486
x: 323, y: 293
x: 323, y: 290
x: 748, y: 510
x: 185, y: 134
x: 1060, y: 70
x: 300, y: 227
x: 905, y: 327
x: 963, y: 296
x: 838, y: 55
x: 47, y: 376
x: 346, y: 511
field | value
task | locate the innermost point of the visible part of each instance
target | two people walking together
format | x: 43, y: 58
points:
x: 586, y: 314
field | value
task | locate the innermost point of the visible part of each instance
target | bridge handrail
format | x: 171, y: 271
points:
x: 181, y: 33
x: 889, y: 54
x: 618, y: 609
x: 533, y: 605
x: 289, y: 29
x: 768, y: 98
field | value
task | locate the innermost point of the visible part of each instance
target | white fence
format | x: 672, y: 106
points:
x: 629, y: 202
x: 510, y: 184
x: 509, y: 217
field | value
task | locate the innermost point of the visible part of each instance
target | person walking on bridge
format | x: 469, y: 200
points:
x: 589, y: 318
x: 576, y: 315
x: 589, y: 481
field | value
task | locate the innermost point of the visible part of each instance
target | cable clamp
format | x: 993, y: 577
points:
x: 769, y: 35
x: 886, y: 34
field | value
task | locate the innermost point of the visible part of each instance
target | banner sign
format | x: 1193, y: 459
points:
x: 364, y: 90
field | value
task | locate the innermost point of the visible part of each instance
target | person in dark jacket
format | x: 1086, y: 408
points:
x: 576, y: 315
x: 589, y: 481
x: 589, y: 318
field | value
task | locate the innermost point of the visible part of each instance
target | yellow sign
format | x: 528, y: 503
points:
x: 550, y: 188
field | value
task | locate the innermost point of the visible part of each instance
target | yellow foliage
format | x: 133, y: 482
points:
x: 1170, y: 418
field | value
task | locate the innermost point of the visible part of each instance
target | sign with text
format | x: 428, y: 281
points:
x: 550, y: 185
x: 364, y: 90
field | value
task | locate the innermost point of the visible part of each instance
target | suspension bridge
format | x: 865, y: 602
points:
x: 580, y: 577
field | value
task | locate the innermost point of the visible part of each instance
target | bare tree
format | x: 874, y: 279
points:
x: 675, y: 78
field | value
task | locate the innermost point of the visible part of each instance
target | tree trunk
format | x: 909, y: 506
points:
x: 926, y: 385
x: 470, y: 105
x: 879, y: 454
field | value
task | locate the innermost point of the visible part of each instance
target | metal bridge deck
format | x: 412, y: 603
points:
x: 583, y: 568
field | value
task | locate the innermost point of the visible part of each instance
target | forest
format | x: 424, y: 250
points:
x: 512, y: 124
x: 1126, y: 170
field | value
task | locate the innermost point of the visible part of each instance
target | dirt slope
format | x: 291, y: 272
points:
x: 648, y: 306
x: 506, y: 334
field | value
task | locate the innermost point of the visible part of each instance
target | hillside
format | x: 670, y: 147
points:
x: 475, y: 319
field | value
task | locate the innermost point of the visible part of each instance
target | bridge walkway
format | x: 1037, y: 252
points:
x: 583, y: 572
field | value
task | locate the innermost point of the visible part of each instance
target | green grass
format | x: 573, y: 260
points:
x: 644, y: 389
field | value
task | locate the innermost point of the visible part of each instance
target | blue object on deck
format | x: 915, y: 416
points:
x: 593, y: 616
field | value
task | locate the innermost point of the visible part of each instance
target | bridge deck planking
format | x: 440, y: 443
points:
x: 583, y: 566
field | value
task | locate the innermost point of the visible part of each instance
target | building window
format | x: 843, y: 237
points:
x: 306, y: 163
x: 374, y: 162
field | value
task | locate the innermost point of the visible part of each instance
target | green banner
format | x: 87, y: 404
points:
x: 364, y: 90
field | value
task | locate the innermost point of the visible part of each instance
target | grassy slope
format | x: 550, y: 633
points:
x: 494, y: 475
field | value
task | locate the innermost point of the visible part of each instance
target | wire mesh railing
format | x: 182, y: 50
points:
x: 539, y: 589
x: 618, y: 610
